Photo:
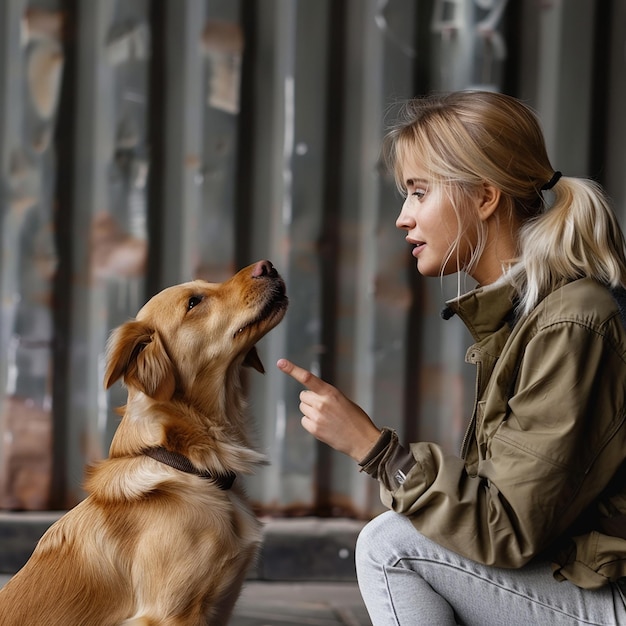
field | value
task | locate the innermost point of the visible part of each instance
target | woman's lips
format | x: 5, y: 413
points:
x: 419, y: 246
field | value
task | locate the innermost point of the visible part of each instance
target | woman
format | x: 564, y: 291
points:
x: 528, y: 526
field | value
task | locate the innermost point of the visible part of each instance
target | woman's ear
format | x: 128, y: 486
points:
x: 488, y: 201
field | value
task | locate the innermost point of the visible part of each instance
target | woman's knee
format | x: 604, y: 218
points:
x: 380, y: 538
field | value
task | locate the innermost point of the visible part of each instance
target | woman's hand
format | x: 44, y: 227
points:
x: 331, y: 417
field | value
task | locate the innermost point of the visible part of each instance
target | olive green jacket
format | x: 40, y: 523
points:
x: 538, y: 474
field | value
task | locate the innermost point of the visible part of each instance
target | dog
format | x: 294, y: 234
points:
x: 165, y: 534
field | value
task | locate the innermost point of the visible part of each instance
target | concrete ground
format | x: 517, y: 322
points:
x: 299, y: 604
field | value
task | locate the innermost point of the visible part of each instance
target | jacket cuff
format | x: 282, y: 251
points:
x: 388, y: 461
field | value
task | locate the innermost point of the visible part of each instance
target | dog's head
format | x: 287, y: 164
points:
x: 196, y: 329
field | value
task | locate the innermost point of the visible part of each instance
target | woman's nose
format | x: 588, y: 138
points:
x: 404, y: 220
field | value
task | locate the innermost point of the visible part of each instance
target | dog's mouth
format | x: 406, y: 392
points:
x: 272, y: 310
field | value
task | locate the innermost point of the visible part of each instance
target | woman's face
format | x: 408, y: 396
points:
x: 432, y: 226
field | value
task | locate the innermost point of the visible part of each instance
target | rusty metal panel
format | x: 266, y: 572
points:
x: 284, y: 226
x: 374, y: 295
x: 292, y: 222
x: 203, y: 50
x: 182, y: 169
x: 222, y: 45
x: 615, y: 120
x: 559, y: 45
x: 31, y: 67
x: 109, y: 227
x: 469, y: 44
x: 469, y: 51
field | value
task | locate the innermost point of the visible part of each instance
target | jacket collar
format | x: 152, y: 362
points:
x: 485, y: 309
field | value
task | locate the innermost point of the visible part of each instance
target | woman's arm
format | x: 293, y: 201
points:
x: 543, y: 459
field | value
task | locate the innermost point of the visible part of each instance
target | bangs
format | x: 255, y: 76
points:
x: 412, y: 149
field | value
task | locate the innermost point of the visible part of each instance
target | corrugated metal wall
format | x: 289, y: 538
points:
x: 146, y: 142
x: 31, y: 58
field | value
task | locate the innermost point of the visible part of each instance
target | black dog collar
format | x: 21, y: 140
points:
x: 182, y: 463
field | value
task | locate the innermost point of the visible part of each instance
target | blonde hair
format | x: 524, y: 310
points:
x: 468, y: 138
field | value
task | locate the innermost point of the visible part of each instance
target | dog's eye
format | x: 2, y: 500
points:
x: 193, y: 301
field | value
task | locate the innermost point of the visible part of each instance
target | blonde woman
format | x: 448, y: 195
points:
x: 528, y: 524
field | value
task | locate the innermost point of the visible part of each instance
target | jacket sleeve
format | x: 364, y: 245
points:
x: 542, y: 461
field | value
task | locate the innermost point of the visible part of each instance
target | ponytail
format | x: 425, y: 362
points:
x: 577, y: 236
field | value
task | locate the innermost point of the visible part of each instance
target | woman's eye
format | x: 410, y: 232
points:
x: 419, y: 194
x: 193, y: 301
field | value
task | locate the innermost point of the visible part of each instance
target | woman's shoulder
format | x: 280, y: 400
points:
x: 584, y: 302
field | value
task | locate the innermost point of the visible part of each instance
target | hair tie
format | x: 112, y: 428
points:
x: 553, y: 181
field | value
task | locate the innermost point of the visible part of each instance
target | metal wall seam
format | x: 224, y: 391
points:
x: 183, y: 128
x: 109, y: 223
x: 373, y: 295
x: 289, y: 110
x: 32, y: 67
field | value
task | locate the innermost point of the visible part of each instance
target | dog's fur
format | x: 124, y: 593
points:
x: 151, y: 544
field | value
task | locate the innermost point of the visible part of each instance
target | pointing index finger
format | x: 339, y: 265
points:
x: 306, y: 378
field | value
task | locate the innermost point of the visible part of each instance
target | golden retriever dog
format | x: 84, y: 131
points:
x: 164, y: 535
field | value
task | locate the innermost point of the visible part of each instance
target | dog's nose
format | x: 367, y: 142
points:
x: 263, y: 268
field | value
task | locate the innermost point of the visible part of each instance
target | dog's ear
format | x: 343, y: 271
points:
x: 252, y: 360
x: 136, y: 354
